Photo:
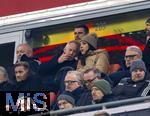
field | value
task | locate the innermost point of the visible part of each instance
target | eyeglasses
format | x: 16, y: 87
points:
x: 90, y: 80
x: 130, y: 56
x: 78, y: 33
x: 70, y: 82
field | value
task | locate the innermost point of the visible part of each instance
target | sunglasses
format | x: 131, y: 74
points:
x: 90, y: 80
x: 70, y: 82
x: 130, y: 56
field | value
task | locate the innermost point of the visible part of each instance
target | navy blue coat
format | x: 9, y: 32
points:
x: 49, y: 70
x: 30, y: 84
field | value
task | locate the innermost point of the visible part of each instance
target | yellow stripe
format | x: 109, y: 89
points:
x: 107, y: 29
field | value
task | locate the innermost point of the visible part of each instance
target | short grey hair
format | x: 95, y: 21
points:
x: 29, y: 48
x: 96, y: 72
x: 3, y: 70
x: 78, y: 75
x: 135, y: 48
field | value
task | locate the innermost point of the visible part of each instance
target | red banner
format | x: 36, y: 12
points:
x: 10, y: 7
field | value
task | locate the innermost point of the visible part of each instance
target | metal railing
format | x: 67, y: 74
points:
x: 96, y: 106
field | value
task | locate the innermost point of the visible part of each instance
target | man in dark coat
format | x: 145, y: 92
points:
x: 25, y: 81
x: 50, y: 69
x: 146, y: 55
x: 134, y: 86
x: 101, y: 92
x: 132, y: 53
x: 73, y: 84
x: 24, y: 53
x: 89, y: 77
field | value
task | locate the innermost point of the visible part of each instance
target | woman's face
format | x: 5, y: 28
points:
x: 84, y: 47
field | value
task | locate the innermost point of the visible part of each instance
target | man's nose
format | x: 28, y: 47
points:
x: 61, y: 106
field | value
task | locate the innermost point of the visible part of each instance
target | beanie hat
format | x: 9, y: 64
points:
x: 137, y: 64
x: 66, y: 97
x: 91, y: 39
x: 104, y: 86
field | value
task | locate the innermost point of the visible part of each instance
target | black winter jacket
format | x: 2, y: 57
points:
x: 130, y: 89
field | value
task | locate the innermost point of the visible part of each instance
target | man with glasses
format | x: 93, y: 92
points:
x: 72, y: 80
x: 93, y: 74
x: 73, y: 84
x: 132, y: 53
x: 89, y: 77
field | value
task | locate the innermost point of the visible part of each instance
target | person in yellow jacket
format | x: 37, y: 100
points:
x: 90, y: 57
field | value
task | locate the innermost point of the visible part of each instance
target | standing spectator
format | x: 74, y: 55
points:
x: 132, y: 53
x: 50, y: 69
x: 146, y: 55
x: 80, y: 31
x: 65, y: 101
x: 25, y: 81
x: 101, y: 92
x: 90, y: 57
x: 134, y: 86
x: 5, y: 84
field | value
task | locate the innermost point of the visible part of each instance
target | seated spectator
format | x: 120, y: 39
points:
x: 93, y: 74
x: 132, y: 53
x: 89, y: 77
x: 65, y: 101
x: 101, y: 92
x: 5, y: 84
x: 25, y: 81
x: 49, y: 70
x: 73, y: 84
x: 24, y: 53
x: 90, y: 57
x: 134, y: 86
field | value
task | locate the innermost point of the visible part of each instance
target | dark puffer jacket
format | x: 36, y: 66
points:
x: 52, y: 69
x: 130, y: 89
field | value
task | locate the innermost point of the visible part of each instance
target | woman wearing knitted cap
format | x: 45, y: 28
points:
x: 101, y: 92
x: 90, y: 57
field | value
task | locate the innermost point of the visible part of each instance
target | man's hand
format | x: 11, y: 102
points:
x: 63, y: 58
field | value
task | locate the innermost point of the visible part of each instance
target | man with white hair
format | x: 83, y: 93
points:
x: 73, y: 84
x: 5, y: 84
x: 132, y: 53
